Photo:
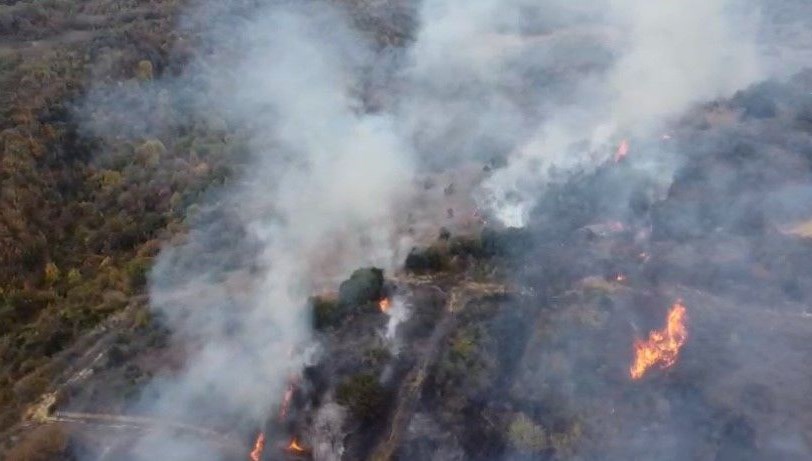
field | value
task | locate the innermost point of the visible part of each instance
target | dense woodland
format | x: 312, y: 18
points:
x: 82, y: 216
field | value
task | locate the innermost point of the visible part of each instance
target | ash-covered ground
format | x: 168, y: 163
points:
x: 461, y: 232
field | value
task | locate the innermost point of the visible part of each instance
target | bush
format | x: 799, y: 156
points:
x: 510, y: 242
x: 51, y: 273
x: 326, y: 312
x: 144, y: 71
x: 462, y: 246
x: 150, y: 152
x: 137, y: 270
x: 364, y: 286
x: 430, y: 259
x: 363, y: 395
x: 525, y: 435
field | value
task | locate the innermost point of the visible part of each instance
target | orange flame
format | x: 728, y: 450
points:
x: 384, y: 305
x: 283, y: 409
x: 259, y: 445
x: 663, y: 346
x: 295, y: 447
x: 622, y: 150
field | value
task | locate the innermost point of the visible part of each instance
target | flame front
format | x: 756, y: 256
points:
x: 259, y: 445
x: 384, y: 305
x: 283, y: 409
x: 663, y: 346
x: 295, y: 447
x: 622, y: 150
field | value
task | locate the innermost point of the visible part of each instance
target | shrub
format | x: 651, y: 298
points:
x: 364, y: 286
x: 144, y: 70
x: 526, y: 435
x: 430, y: 259
x: 137, y: 270
x: 51, y: 273
x: 326, y: 312
x: 461, y: 246
x: 363, y: 396
x: 150, y: 152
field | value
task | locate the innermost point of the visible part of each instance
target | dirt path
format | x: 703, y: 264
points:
x: 412, y: 387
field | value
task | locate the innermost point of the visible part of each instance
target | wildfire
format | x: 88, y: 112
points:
x: 259, y: 445
x: 662, y: 347
x: 620, y: 278
x: 294, y: 446
x: 622, y: 150
x: 384, y: 305
x: 283, y: 409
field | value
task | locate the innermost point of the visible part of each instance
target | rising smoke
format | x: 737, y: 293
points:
x: 315, y: 202
x: 545, y: 88
x: 662, y: 65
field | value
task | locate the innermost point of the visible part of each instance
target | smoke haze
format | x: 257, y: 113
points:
x: 544, y: 89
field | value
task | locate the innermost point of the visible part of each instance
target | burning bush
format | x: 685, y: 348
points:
x: 363, y: 287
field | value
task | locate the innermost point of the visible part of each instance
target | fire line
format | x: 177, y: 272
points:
x: 259, y: 446
x: 383, y: 304
x: 662, y: 346
x: 294, y: 446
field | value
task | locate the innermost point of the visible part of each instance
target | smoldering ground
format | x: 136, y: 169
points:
x: 335, y: 128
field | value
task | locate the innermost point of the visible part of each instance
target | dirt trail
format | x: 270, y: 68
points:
x: 411, y: 389
x: 138, y: 423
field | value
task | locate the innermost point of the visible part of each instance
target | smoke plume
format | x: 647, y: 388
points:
x: 543, y: 88
x: 314, y: 201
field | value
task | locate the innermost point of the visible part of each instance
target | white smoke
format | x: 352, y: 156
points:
x: 399, y: 311
x: 546, y: 84
x: 316, y: 202
x: 328, y: 432
x: 474, y: 65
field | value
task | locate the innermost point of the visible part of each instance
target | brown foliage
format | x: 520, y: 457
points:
x: 45, y: 443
